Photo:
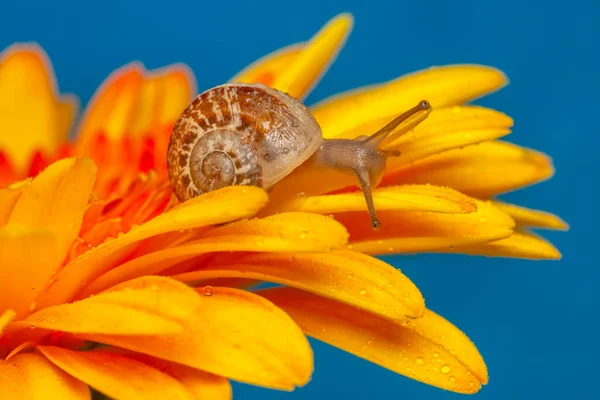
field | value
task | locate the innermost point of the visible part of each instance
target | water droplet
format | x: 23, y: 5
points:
x: 419, y: 361
x: 452, y: 379
x: 390, y: 249
x: 350, y: 247
x: 207, y: 290
x: 379, y: 242
x: 436, y: 355
x: 350, y: 275
x: 445, y: 369
x: 363, y: 292
x: 452, y: 248
x: 292, y: 259
x: 303, y: 234
x: 154, y: 288
x: 471, y: 383
x: 32, y: 306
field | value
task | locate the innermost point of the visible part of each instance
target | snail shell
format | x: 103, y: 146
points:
x: 239, y: 134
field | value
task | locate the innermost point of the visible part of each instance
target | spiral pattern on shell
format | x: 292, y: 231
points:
x: 239, y: 134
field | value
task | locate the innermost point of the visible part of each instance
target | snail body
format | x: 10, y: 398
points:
x: 251, y: 134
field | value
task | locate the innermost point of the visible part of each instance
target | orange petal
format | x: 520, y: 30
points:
x: 236, y: 334
x: 164, y: 95
x: 31, y: 376
x: 348, y: 277
x: 307, y: 68
x: 483, y: 170
x: 117, y: 376
x: 28, y: 259
x: 6, y: 318
x: 57, y: 199
x: 399, y: 198
x: 8, y: 174
x: 29, y: 111
x: 528, y: 217
x: 441, y: 86
x: 179, y: 85
x: 67, y: 109
x: 291, y: 232
x: 428, y: 349
x: 212, y: 208
x: 518, y: 245
x: 412, y: 232
x: 202, y: 384
x: 30, y: 344
x: 112, y: 108
x: 268, y: 67
x: 146, y: 306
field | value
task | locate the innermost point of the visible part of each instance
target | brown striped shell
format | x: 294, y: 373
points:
x: 239, y: 134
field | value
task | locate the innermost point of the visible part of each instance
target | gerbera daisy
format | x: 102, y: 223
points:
x: 107, y: 281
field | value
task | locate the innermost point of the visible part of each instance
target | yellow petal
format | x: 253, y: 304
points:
x: 112, y: 108
x: 29, y: 116
x: 531, y: 218
x: 212, y: 208
x: 117, y: 376
x: 305, y: 228
x: 518, y: 245
x: 202, y: 384
x: 31, y: 376
x: 306, y: 180
x: 446, y: 129
x: 290, y: 232
x: 145, y: 306
x: 412, y: 232
x: 306, y: 69
x: 348, y: 277
x: 268, y: 67
x: 28, y: 258
x: 441, y: 86
x: 483, y: 170
x: 439, y: 122
x: 236, y: 334
x: 56, y: 200
x: 399, y: 198
x: 6, y: 318
x: 427, y: 349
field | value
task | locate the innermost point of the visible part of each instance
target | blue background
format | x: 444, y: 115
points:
x: 534, y: 322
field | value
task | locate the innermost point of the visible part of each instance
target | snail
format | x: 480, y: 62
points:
x: 251, y: 134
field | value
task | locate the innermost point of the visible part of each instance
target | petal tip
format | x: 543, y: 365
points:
x: 347, y: 18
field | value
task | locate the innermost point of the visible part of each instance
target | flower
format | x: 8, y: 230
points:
x: 137, y: 295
